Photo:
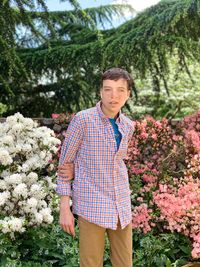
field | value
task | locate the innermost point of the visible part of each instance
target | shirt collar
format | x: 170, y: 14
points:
x: 105, y: 117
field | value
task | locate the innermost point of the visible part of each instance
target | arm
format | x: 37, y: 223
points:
x: 130, y: 135
x: 66, y: 216
x: 71, y: 144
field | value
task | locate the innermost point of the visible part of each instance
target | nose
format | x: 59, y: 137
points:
x: 114, y: 94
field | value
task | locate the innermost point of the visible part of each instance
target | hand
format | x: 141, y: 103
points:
x: 66, y: 171
x: 67, y: 221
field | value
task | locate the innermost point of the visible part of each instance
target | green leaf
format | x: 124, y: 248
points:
x: 168, y: 263
x: 185, y: 249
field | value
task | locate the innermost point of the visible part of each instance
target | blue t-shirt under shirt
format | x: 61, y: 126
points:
x: 118, y: 135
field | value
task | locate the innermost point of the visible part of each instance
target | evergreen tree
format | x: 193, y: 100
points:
x: 63, y: 71
x: 54, y: 79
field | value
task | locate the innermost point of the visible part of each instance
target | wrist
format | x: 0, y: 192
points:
x: 65, y: 201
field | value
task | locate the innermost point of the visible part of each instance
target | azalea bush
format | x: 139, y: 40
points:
x: 164, y: 167
x: 26, y: 190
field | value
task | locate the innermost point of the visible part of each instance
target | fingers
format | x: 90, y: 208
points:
x: 66, y: 166
x: 66, y: 170
x: 71, y: 230
x: 64, y: 176
x: 64, y: 227
x: 68, y: 227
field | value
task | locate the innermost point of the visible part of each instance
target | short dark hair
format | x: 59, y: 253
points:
x: 116, y: 74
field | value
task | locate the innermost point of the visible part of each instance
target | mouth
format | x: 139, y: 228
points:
x: 113, y: 103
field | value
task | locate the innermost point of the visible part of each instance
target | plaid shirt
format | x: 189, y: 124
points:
x: 100, y: 189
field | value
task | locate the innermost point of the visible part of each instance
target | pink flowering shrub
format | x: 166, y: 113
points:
x: 192, y: 122
x: 179, y: 207
x: 153, y: 141
x: 164, y: 167
x: 189, y: 129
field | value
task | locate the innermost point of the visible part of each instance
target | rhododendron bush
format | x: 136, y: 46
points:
x: 26, y: 191
x: 164, y: 169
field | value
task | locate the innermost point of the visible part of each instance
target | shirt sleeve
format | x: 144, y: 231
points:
x: 132, y: 129
x: 69, y: 149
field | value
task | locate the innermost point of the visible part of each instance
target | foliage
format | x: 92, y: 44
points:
x: 42, y: 245
x: 3, y: 108
x: 89, y: 17
x: 63, y: 71
x: 145, y: 41
x: 163, y: 250
x: 164, y: 169
x: 13, y: 13
x: 184, y: 95
x: 32, y: 81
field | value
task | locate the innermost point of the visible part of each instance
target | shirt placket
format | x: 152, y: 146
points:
x: 118, y: 156
x: 116, y: 175
x: 111, y: 135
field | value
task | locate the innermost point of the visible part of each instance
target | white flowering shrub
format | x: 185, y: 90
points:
x: 26, y: 194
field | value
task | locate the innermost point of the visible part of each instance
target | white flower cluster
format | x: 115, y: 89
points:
x: 25, y: 196
x: 21, y: 141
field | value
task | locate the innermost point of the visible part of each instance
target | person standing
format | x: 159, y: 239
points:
x: 92, y: 153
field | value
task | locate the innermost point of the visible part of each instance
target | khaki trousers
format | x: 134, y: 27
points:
x: 92, y: 242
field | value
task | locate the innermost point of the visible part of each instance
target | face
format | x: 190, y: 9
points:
x: 114, y: 95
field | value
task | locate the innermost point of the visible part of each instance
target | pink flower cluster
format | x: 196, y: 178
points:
x: 191, y: 132
x: 164, y: 170
x: 62, y: 117
x: 151, y: 143
x: 179, y: 207
x: 196, y: 246
x: 192, y: 122
x: 141, y: 218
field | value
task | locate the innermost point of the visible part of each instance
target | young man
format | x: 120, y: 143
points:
x: 95, y: 144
